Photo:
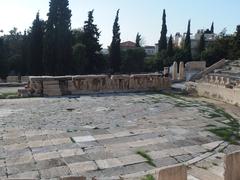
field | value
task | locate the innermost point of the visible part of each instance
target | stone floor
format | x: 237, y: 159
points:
x: 99, y: 136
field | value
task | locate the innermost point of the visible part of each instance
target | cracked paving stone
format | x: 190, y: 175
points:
x: 46, y: 164
x: 26, y: 175
x: 78, y: 168
x: 55, y: 172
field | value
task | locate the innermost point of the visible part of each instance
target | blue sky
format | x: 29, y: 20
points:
x: 143, y: 16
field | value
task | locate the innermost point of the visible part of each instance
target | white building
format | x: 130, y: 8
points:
x: 150, y: 50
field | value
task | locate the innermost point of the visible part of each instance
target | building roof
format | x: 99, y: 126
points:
x: 128, y: 44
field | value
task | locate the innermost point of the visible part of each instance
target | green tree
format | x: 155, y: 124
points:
x: 57, y: 41
x: 138, y: 40
x: 202, y: 43
x: 3, y: 63
x: 79, y: 58
x: 236, y: 48
x: 133, y: 60
x: 92, y: 46
x: 162, y: 44
x: 13, y: 47
x: 25, y: 54
x: 114, y: 51
x: 36, y: 47
x: 212, y: 28
x: 170, y: 47
x: 221, y: 48
x: 187, y: 44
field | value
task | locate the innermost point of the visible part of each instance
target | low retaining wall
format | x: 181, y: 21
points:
x: 85, y: 84
x: 217, y: 92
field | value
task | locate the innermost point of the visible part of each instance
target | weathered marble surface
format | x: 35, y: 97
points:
x: 37, y: 136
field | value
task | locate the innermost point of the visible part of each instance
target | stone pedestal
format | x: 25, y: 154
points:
x: 181, y: 71
x: 166, y: 71
x: 177, y: 172
x: 232, y: 164
x: 175, y: 71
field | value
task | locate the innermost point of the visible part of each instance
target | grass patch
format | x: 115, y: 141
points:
x: 147, y: 157
x: 9, y: 95
x: 227, y: 134
x: 230, y: 133
x: 148, y: 177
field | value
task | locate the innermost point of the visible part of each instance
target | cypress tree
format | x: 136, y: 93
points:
x: 187, y: 45
x: 202, y: 43
x: 36, y: 47
x: 115, y: 52
x: 91, y: 42
x: 57, y: 41
x: 237, y: 38
x: 212, y: 28
x: 138, y: 40
x: 162, y: 44
x: 170, y: 46
x: 25, y: 46
x: 3, y: 68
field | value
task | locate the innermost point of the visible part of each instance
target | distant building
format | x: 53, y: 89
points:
x: 150, y: 50
x: 195, y: 40
x: 105, y: 51
x: 127, y: 45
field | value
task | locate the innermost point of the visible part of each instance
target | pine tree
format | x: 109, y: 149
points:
x: 212, y: 28
x: 57, y: 41
x: 187, y: 44
x: 138, y: 40
x: 170, y: 46
x: 115, y: 52
x: 36, y: 46
x: 91, y: 42
x: 202, y: 43
x: 162, y: 44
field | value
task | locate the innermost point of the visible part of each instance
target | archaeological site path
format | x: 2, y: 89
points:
x: 102, y: 136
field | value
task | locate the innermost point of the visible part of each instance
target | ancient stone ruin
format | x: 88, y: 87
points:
x: 220, y: 81
x: 85, y: 84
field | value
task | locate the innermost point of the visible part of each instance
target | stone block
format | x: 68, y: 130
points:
x: 109, y: 163
x: 55, y: 172
x: 177, y: 172
x: 78, y: 168
x: 24, y: 79
x: 13, y: 79
x: 232, y: 164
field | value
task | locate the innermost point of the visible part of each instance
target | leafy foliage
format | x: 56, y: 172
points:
x: 133, y: 60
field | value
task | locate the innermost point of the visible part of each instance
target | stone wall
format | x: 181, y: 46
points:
x: 85, y: 84
x: 219, y: 92
x: 219, y: 87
